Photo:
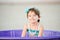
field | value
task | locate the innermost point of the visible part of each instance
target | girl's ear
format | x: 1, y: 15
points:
x: 39, y: 17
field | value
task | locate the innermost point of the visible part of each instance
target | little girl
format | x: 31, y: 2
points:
x: 34, y: 28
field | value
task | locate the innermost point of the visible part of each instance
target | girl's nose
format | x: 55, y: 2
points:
x: 32, y: 17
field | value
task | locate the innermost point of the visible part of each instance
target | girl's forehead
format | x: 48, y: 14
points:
x: 31, y: 13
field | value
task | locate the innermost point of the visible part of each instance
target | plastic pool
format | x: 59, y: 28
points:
x: 16, y: 34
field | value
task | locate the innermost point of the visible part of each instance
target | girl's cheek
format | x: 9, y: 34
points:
x: 29, y: 18
x: 36, y: 18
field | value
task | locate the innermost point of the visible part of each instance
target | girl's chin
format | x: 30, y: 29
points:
x: 32, y: 22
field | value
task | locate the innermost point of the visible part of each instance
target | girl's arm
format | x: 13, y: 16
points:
x: 41, y: 31
x: 24, y: 31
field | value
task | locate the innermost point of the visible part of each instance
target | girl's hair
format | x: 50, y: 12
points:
x: 36, y: 12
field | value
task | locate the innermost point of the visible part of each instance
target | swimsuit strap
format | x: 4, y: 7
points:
x: 39, y: 26
x: 28, y: 26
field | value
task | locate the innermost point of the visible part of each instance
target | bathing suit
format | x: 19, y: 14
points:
x: 34, y: 32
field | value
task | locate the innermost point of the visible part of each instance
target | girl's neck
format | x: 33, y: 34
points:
x: 34, y: 24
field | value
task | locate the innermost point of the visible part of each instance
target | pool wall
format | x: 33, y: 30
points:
x: 16, y: 34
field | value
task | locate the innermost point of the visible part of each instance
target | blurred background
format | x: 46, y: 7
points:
x: 13, y: 16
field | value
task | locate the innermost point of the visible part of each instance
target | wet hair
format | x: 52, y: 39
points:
x: 36, y: 12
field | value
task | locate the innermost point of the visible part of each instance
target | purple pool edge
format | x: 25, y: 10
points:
x: 16, y: 34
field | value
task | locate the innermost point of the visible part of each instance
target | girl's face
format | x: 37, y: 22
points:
x: 32, y: 17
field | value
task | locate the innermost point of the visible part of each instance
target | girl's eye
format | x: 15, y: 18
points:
x: 29, y: 16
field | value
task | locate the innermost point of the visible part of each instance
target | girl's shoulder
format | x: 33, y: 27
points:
x: 26, y: 25
x: 41, y: 25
